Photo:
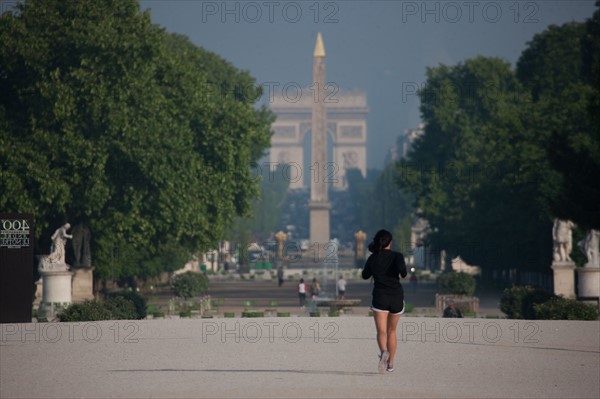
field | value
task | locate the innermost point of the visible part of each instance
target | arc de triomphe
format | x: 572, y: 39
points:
x: 346, y: 125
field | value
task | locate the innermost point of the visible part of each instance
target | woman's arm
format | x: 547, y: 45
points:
x: 367, y: 272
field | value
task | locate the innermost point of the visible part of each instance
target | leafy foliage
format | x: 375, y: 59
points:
x: 116, y: 308
x: 518, y: 302
x: 267, y: 209
x: 456, y: 284
x: 107, y: 117
x: 559, y: 308
x: 392, y: 210
x: 139, y: 302
x: 524, y: 302
x: 86, y: 311
x: 561, y: 69
x: 505, y: 152
x: 465, y: 170
x: 190, y: 284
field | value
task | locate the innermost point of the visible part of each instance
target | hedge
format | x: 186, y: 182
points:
x: 138, y: 301
x: 518, y: 302
x: 116, y: 308
x: 525, y: 302
x: 559, y: 308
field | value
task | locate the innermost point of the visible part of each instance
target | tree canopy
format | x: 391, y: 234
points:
x: 561, y: 69
x: 105, y: 117
x: 464, y: 169
x: 267, y: 208
x: 392, y: 210
x: 506, y: 151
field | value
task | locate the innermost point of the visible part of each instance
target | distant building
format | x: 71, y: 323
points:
x: 346, y: 127
x: 404, y: 143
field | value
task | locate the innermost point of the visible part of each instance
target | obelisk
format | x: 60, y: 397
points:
x: 319, y: 202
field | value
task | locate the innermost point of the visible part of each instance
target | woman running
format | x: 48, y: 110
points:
x: 385, y: 266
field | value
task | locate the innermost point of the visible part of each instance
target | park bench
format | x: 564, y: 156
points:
x: 466, y: 303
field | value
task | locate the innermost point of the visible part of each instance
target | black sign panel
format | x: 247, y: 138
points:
x: 16, y: 267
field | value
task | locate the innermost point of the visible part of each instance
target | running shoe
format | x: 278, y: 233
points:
x: 383, y: 358
x: 390, y: 367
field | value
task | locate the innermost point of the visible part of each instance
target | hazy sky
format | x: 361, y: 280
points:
x: 380, y: 47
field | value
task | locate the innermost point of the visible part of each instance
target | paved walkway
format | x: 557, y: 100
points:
x: 299, y: 357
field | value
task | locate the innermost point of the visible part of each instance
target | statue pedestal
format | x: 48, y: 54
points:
x: 83, y: 284
x: 39, y: 292
x: 56, y: 292
x: 588, y: 285
x: 564, y: 279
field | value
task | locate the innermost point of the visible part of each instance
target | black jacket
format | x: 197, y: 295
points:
x: 385, y: 267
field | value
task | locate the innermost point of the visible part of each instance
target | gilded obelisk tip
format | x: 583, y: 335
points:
x: 319, y: 48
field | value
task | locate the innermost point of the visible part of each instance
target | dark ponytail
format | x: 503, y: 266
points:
x: 381, y: 240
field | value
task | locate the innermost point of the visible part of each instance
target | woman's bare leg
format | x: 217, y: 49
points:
x: 392, y: 323
x: 381, y: 323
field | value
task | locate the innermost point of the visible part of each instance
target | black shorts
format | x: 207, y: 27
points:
x: 388, y: 302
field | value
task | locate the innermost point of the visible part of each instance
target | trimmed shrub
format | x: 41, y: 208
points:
x: 518, y: 302
x: 86, y: 311
x: 139, y: 302
x: 190, y: 284
x: 559, y: 308
x: 120, y: 308
x: 116, y: 308
x: 252, y: 313
x: 456, y: 284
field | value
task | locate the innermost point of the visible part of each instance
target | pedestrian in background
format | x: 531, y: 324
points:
x: 302, y: 293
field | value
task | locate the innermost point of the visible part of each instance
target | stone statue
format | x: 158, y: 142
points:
x: 81, y: 246
x: 56, y: 259
x: 591, y: 248
x: 563, y: 240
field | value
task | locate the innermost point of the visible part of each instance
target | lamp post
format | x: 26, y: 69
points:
x: 360, y: 237
x: 280, y: 237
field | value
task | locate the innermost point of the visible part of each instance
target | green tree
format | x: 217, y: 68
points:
x: 383, y: 204
x: 505, y: 152
x: 268, y: 208
x: 466, y: 172
x: 457, y: 284
x: 190, y: 284
x: 266, y: 213
x: 561, y: 69
x: 107, y: 117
